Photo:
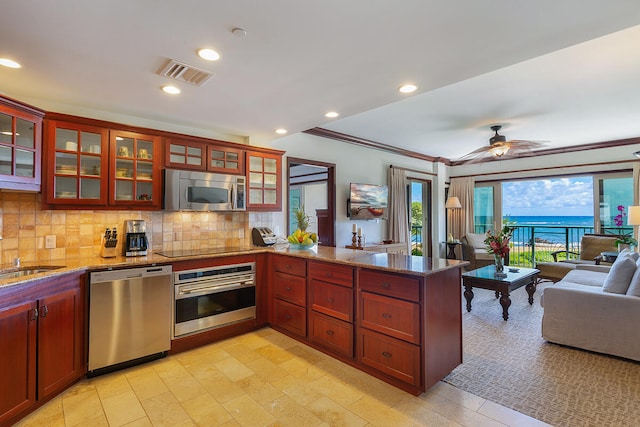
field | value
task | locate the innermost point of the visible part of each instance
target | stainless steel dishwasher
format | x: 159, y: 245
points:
x: 129, y: 317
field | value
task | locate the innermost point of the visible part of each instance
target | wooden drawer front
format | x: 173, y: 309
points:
x: 290, y: 265
x: 291, y: 288
x: 331, y: 333
x: 390, y: 284
x: 391, y: 356
x: 332, y: 273
x: 333, y: 300
x: 398, y: 318
x: 290, y: 317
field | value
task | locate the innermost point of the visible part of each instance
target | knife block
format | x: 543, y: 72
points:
x: 108, y: 248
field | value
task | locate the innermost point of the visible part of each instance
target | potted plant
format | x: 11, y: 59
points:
x: 624, y: 240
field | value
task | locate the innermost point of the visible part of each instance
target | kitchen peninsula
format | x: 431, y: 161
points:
x: 396, y: 317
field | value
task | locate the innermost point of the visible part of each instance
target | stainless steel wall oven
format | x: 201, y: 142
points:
x: 214, y: 296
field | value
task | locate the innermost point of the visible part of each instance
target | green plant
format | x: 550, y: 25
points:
x: 623, y: 239
x: 302, y: 219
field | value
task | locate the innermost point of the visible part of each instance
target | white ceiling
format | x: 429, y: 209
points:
x: 563, y: 71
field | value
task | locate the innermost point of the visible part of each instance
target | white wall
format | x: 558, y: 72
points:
x: 353, y: 164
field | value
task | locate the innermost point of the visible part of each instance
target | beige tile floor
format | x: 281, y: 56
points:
x: 262, y: 378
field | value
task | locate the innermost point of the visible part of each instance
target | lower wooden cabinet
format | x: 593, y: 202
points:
x: 333, y: 334
x: 392, y: 356
x: 42, y: 341
x: 290, y: 317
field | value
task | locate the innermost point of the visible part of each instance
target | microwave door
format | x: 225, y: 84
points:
x: 205, y: 195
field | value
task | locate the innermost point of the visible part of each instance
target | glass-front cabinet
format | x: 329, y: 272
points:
x: 76, y: 164
x: 225, y: 159
x: 204, y: 156
x: 264, y: 179
x: 133, y: 169
x: 20, y: 146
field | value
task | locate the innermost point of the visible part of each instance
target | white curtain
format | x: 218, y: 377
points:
x: 461, y: 220
x: 398, y: 214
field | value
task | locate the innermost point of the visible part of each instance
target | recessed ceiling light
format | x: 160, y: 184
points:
x: 9, y: 63
x: 239, y: 32
x: 208, y: 54
x: 281, y: 131
x: 331, y: 114
x: 408, y: 88
x: 171, y: 90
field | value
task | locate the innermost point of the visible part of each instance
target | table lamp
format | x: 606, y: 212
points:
x: 452, y: 203
x: 633, y: 218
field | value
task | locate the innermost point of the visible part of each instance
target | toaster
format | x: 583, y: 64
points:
x: 263, y: 236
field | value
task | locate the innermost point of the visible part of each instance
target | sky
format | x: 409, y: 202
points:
x: 548, y: 197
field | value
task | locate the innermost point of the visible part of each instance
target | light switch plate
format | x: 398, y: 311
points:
x: 50, y: 241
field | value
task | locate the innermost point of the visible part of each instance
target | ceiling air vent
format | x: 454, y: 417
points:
x: 185, y: 73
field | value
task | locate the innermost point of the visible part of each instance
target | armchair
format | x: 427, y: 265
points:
x: 474, y: 250
x: 591, y: 247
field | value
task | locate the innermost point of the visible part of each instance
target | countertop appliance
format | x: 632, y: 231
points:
x: 210, y: 297
x: 263, y: 236
x: 129, y: 317
x: 203, y: 191
x: 135, y: 241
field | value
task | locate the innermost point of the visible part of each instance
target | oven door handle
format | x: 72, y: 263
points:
x: 209, y: 288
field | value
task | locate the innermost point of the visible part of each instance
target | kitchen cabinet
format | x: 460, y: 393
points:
x: 331, y: 307
x: 20, y: 145
x: 289, y: 295
x: 43, y: 342
x: 264, y: 178
x: 87, y: 163
x: 202, y: 155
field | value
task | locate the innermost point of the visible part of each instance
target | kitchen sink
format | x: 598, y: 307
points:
x: 17, y: 272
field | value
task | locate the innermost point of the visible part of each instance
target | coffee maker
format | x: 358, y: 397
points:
x: 135, y: 238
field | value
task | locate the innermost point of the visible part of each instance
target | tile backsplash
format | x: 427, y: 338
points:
x: 24, y: 227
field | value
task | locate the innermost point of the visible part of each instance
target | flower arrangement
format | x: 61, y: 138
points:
x: 498, y: 244
x: 618, y: 220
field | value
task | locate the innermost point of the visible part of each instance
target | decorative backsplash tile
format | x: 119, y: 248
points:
x: 24, y: 226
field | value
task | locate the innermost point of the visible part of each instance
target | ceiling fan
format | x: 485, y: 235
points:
x: 501, y: 148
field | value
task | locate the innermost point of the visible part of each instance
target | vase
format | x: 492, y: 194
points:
x: 499, y: 262
x: 623, y: 246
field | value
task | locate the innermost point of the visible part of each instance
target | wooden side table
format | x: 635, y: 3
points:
x: 451, y: 254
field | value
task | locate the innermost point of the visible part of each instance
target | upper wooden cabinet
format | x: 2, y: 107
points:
x: 20, y: 145
x: 264, y: 178
x: 204, y: 156
x: 91, y: 165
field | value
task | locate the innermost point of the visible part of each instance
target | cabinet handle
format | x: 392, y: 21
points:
x: 329, y: 274
x: 34, y: 314
x: 288, y: 289
x: 287, y: 317
x: 386, y: 315
x: 330, y: 299
x: 329, y: 332
x: 386, y: 285
x: 386, y: 354
x: 44, y: 311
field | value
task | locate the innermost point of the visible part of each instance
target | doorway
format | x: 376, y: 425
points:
x: 311, y: 184
x: 420, y: 216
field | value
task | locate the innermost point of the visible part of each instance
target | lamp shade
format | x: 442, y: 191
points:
x: 633, y: 217
x: 454, y: 203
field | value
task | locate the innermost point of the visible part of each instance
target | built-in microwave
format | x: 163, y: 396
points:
x: 203, y: 191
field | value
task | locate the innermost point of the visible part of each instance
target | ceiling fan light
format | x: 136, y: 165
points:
x: 499, y: 150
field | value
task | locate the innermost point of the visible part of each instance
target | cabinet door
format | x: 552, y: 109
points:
x: 75, y: 164
x: 185, y: 155
x: 225, y: 159
x: 20, y: 147
x: 331, y: 333
x: 17, y: 359
x: 60, y: 343
x: 135, y: 174
x: 264, y: 181
x: 290, y: 317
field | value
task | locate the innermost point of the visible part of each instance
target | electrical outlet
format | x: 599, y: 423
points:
x: 50, y: 241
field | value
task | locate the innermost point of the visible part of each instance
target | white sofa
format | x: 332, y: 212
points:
x: 596, y: 308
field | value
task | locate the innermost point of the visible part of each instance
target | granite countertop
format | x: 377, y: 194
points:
x: 406, y: 264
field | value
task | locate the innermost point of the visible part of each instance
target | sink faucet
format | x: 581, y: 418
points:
x: 16, y: 262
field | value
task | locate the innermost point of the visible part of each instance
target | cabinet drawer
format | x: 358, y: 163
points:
x: 398, y: 318
x: 290, y: 265
x: 331, y: 273
x: 291, y: 288
x: 390, y: 356
x: 331, y: 333
x: 389, y: 284
x: 290, y: 317
x: 333, y: 300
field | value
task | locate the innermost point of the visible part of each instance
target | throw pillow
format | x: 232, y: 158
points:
x: 626, y: 253
x: 619, y: 277
x: 634, y: 286
x: 476, y: 240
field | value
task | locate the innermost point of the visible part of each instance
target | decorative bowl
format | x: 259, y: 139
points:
x: 301, y: 246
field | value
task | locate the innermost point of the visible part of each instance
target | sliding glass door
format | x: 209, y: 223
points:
x: 420, y: 216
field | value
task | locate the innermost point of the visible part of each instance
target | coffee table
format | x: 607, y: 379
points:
x: 485, y: 278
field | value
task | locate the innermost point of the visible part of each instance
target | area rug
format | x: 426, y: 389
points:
x: 509, y: 363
